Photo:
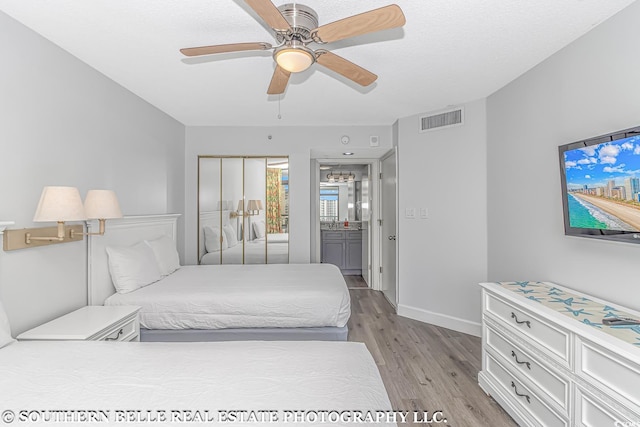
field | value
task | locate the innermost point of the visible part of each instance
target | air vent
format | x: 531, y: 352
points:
x: 440, y: 120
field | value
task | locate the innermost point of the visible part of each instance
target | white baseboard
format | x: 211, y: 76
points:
x: 439, y: 319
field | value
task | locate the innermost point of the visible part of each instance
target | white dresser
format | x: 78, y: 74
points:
x: 91, y: 323
x: 548, y: 360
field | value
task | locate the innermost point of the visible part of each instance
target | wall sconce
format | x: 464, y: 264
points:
x: 57, y: 204
x: 239, y: 211
x: 4, y: 225
x: 63, y: 204
x: 254, y: 207
x: 101, y: 205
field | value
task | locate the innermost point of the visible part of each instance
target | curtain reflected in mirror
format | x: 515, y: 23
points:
x: 277, y: 211
x: 243, y: 210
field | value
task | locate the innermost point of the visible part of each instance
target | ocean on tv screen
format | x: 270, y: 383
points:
x: 603, y: 185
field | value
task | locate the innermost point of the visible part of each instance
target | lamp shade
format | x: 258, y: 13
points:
x: 260, y: 208
x: 240, y: 205
x: 59, y: 204
x: 102, y: 204
x: 252, y: 205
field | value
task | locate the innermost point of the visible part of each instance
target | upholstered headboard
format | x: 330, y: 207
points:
x: 125, y: 231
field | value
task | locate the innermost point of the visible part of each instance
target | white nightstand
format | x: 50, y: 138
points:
x: 91, y: 323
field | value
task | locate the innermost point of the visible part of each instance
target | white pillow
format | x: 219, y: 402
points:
x: 132, y: 267
x: 164, y: 249
x: 259, y: 229
x: 5, y: 328
x: 212, y: 239
x: 230, y: 234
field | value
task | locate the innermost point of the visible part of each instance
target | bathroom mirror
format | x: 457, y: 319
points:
x: 243, y: 210
x: 342, y: 188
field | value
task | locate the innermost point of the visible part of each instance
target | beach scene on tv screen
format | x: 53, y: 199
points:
x: 603, y: 185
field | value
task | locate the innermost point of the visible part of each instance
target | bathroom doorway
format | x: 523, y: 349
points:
x: 344, y: 202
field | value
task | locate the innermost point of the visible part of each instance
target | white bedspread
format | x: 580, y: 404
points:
x: 255, y: 252
x: 243, y: 296
x: 155, y: 377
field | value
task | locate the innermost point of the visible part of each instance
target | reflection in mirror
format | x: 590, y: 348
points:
x: 209, y: 204
x: 255, y: 247
x: 243, y: 210
x: 232, y: 248
x: 343, y: 195
x: 277, y: 212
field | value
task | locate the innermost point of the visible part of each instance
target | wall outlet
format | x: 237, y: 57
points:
x: 410, y: 213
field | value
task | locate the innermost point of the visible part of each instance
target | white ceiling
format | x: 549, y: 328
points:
x: 448, y: 53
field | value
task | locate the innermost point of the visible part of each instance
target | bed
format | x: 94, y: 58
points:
x: 223, y: 302
x: 254, y: 246
x: 117, y: 383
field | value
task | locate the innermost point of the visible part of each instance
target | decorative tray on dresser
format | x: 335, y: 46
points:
x: 549, y: 359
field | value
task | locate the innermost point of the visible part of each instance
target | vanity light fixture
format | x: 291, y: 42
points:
x: 339, y: 177
x: 63, y: 204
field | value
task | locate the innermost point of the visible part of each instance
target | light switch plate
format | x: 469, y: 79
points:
x: 410, y: 213
x: 424, y: 213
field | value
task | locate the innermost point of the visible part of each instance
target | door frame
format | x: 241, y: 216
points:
x: 374, y: 236
x: 393, y: 151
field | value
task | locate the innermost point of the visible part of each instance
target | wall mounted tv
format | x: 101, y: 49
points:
x: 601, y: 186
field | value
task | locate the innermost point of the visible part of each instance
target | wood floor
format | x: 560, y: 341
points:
x: 424, y: 367
x: 355, y: 282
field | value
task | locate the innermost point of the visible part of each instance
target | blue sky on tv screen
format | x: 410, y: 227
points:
x: 595, y: 165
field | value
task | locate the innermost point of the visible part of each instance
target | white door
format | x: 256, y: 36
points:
x: 388, y: 240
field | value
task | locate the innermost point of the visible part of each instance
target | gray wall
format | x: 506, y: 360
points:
x: 587, y: 89
x: 63, y: 123
x: 443, y: 257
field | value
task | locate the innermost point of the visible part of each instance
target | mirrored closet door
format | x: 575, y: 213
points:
x: 243, y: 210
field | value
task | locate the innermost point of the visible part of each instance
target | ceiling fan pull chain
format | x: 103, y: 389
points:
x: 279, y: 98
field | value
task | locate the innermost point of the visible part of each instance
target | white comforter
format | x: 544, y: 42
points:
x: 153, y: 378
x: 243, y: 296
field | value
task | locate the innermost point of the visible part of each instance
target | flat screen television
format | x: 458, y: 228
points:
x: 601, y: 186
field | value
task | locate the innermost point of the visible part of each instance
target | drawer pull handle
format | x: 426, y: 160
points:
x: 519, y: 322
x: 515, y: 356
x: 116, y: 337
x: 513, y: 385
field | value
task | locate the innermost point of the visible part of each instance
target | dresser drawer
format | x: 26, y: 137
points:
x: 548, y: 335
x: 552, y: 384
x: 592, y: 412
x: 126, y: 331
x: 603, y: 368
x: 519, y: 394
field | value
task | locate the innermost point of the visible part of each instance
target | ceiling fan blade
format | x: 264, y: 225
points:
x: 346, y: 68
x: 224, y: 48
x: 368, y: 22
x: 279, y: 81
x: 269, y: 14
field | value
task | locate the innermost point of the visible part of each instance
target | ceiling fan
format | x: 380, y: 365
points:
x: 295, y: 27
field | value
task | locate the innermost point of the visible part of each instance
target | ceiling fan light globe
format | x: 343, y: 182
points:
x: 294, y: 60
